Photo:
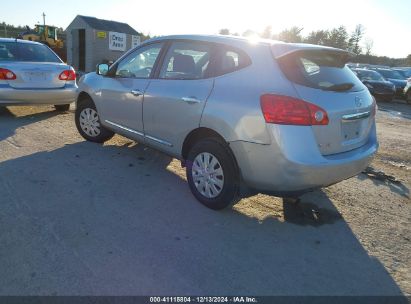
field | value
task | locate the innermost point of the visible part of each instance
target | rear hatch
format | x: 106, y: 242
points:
x: 320, y: 76
x: 34, y: 64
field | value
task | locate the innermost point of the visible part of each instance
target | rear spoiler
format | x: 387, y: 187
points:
x: 282, y: 50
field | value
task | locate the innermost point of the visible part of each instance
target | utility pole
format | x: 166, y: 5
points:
x: 44, y: 28
x: 5, y: 30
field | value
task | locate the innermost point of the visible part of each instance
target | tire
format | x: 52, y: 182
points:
x: 88, y: 122
x: 62, y: 108
x: 408, y: 97
x: 222, y: 190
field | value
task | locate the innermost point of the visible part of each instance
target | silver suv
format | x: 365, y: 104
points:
x: 274, y: 117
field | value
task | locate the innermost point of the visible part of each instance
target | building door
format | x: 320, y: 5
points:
x: 82, y: 50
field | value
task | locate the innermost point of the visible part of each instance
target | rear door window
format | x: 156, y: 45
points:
x: 230, y: 60
x: 187, y: 60
x: 320, y: 69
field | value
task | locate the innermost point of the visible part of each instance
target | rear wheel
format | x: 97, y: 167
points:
x: 212, y: 174
x: 408, y: 96
x: 62, y: 108
x: 88, y: 122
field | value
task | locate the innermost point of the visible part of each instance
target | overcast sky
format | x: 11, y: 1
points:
x: 387, y: 22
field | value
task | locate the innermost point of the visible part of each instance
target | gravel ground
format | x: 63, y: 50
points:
x: 77, y: 218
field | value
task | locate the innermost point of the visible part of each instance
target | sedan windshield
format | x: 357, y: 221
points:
x: 31, y: 52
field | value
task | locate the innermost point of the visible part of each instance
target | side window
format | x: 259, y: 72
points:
x: 138, y: 64
x: 186, y: 60
x: 230, y: 60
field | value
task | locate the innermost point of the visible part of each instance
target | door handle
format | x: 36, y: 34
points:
x: 191, y: 100
x: 136, y: 92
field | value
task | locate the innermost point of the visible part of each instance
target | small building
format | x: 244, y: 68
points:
x: 91, y: 41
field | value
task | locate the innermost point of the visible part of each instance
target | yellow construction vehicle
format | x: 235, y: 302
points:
x: 45, y: 34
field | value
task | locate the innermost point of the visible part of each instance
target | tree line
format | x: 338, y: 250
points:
x: 337, y: 37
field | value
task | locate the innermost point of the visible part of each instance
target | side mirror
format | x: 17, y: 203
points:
x: 102, y: 69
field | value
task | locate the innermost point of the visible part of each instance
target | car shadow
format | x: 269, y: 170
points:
x: 9, y: 122
x: 89, y: 219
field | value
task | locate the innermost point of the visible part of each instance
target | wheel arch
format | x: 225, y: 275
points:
x: 83, y: 96
x: 196, y: 135
x: 203, y: 133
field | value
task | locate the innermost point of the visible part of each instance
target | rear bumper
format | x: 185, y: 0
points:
x: 297, y: 165
x: 10, y: 96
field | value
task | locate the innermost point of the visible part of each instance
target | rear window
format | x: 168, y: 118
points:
x: 16, y: 51
x: 320, y: 69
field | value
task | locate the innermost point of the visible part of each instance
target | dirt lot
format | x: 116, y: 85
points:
x: 77, y: 218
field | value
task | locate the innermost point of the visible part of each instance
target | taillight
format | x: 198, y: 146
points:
x: 6, y: 74
x: 285, y: 110
x: 67, y: 75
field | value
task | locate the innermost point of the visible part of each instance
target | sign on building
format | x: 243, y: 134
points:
x: 117, y: 41
x: 135, y: 40
x: 101, y: 35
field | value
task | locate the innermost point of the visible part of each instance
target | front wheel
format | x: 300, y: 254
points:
x: 212, y: 174
x: 88, y: 123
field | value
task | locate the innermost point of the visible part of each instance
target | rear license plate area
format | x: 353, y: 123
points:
x: 35, y: 76
x: 351, y: 130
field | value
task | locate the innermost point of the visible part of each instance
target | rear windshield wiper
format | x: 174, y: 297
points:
x: 339, y: 87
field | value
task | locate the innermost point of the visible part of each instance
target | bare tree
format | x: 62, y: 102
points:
x: 355, y: 38
x: 368, y: 45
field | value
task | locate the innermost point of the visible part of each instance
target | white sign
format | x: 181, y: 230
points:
x: 135, y: 40
x: 117, y: 41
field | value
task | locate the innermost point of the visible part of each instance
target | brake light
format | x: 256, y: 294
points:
x: 67, y: 75
x: 6, y: 74
x: 285, y: 110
